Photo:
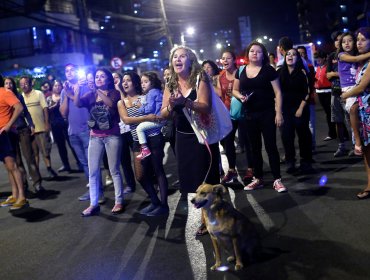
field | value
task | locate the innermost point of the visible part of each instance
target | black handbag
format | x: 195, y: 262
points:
x: 168, y: 130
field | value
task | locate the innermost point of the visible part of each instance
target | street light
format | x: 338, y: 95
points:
x: 189, y: 31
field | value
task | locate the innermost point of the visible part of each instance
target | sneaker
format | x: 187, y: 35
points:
x: 101, y: 199
x: 248, y: 176
x: 148, y: 209
x: 19, y: 205
x: 145, y: 152
x: 278, y: 186
x: 255, y: 184
x: 127, y: 190
x: 51, y: 174
x: 84, y: 197
x: 340, y: 152
x: 64, y: 169
x: 8, y: 202
x: 327, y: 138
x: 230, y: 176
x: 39, y: 189
x: 290, y: 167
x: 306, y: 168
x: 158, y: 211
x: 108, y: 180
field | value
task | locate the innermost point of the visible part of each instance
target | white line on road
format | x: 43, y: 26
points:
x: 128, y: 252
x: 195, y: 247
x: 173, y: 201
x: 140, y: 274
x: 264, y: 218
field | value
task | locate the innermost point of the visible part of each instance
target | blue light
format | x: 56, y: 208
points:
x: 34, y: 33
x: 319, y: 43
x: 323, y: 180
x: 223, y: 268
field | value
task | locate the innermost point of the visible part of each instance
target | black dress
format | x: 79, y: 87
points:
x: 193, y: 158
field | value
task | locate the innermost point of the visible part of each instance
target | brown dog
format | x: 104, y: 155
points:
x: 226, y: 225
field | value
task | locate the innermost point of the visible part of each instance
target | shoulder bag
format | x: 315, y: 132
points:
x: 213, y: 127
x: 236, y: 107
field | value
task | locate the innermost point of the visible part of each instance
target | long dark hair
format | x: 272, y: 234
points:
x: 340, y: 49
x: 110, y: 80
x: 136, y: 81
x: 14, y: 89
x: 153, y: 78
x: 299, y: 66
x: 120, y: 81
x: 214, y: 66
x: 265, y: 59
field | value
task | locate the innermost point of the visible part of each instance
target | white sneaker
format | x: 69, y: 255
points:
x: 278, y: 186
x: 108, y: 180
x: 255, y: 184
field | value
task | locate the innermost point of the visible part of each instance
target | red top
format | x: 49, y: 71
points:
x: 321, y: 82
x: 226, y: 89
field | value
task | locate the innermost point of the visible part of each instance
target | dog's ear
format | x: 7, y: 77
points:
x: 219, y: 189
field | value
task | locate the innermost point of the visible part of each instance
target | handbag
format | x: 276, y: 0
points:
x: 168, y: 130
x: 236, y: 107
x: 213, y: 127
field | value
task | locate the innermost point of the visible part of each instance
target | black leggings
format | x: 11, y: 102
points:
x: 229, y: 146
x: 263, y: 123
x: 325, y: 100
x: 144, y: 169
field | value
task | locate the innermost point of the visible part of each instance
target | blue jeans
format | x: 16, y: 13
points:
x: 112, y: 145
x: 80, y: 144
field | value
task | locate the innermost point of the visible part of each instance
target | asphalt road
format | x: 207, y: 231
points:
x: 310, y: 232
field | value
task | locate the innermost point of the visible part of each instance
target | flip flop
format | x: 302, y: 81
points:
x: 363, y: 194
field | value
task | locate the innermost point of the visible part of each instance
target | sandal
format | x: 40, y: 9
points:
x: 118, y: 208
x: 363, y: 194
x: 202, y: 230
x: 358, y: 150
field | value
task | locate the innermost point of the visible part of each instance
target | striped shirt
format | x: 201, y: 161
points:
x: 134, y: 112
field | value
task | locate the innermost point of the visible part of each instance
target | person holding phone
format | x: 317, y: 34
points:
x: 258, y: 87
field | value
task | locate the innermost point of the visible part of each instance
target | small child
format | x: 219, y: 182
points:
x: 347, y: 68
x: 152, y: 87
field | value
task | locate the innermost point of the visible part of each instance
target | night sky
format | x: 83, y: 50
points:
x: 272, y: 18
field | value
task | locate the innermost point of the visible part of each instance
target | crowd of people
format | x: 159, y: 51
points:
x: 114, y: 119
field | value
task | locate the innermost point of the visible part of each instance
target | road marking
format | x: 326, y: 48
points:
x: 140, y: 274
x: 136, y: 239
x: 264, y: 218
x: 195, y: 247
x: 173, y: 201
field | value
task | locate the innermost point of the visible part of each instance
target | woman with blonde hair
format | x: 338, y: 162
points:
x: 189, y: 87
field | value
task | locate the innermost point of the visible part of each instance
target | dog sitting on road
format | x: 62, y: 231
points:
x: 226, y: 226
